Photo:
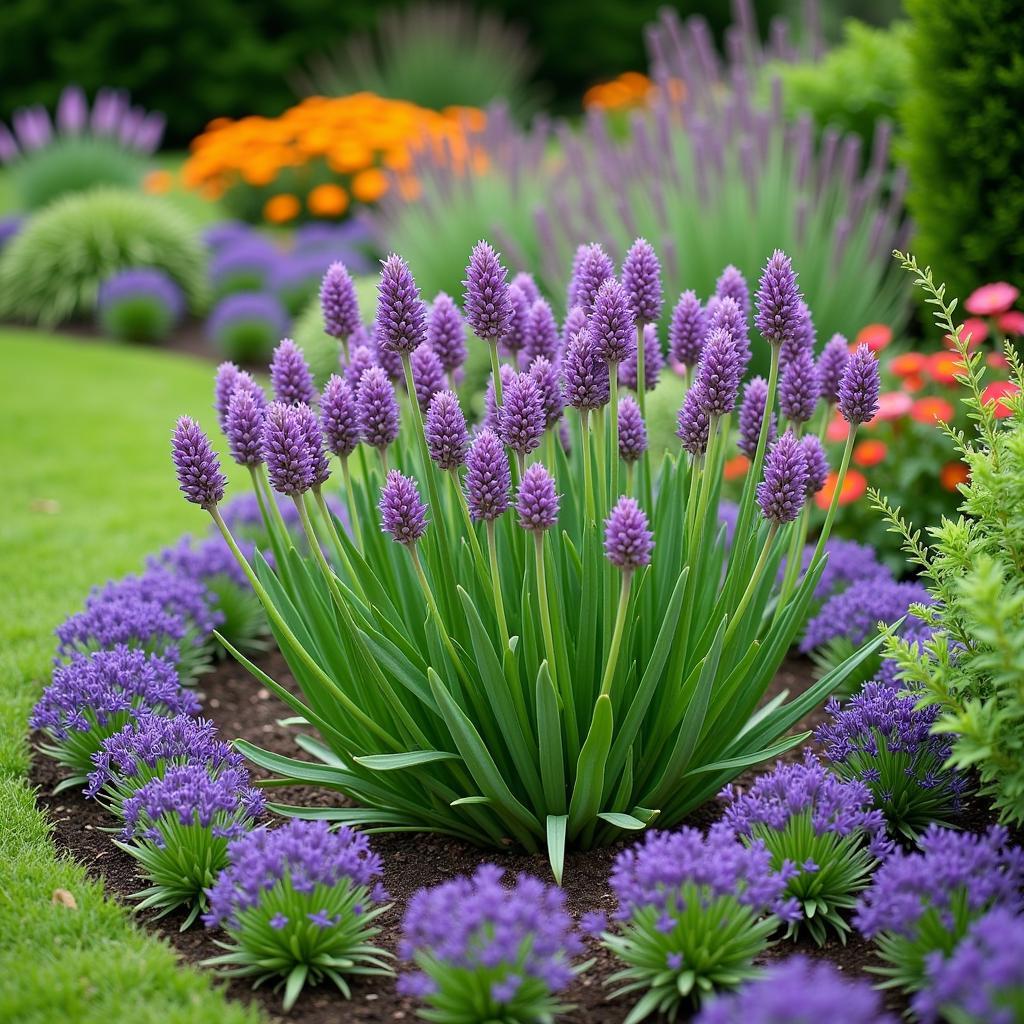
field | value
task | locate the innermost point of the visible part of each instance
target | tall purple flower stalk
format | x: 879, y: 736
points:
x: 641, y: 278
x: 783, y: 491
x: 401, y: 315
x: 446, y: 332
x: 612, y: 323
x: 488, y: 308
x: 584, y: 374
x: 522, y: 418
x: 755, y: 395
x: 594, y: 266
x: 338, y: 302
x: 378, y: 408
x: 488, y: 478
x: 402, y: 512
x: 339, y: 417
x: 687, y: 330
x: 542, y: 338
x: 537, y: 502
x: 445, y: 430
x: 859, y: 387
x: 778, y: 300
x: 291, y: 376
x: 197, y: 464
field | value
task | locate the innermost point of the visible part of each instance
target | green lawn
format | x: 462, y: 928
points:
x: 88, y: 490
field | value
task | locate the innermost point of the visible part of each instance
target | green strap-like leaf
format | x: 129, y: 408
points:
x: 556, y: 835
x: 410, y: 759
x: 589, y: 787
x: 549, y: 742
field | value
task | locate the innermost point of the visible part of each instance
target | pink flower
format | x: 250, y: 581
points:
x: 1012, y: 323
x: 991, y: 299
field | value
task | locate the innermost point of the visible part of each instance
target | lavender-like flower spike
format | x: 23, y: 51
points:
x: 515, y: 337
x: 805, y: 337
x: 339, y: 417
x: 541, y: 334
x: 319, y: 466
x: 859, y: 386
x: 490, y: 419
x: 286, y: 449
x: 244, y: 428
x: 538, y: 502
x: 378, y: 408
x: 632, y: 431
x: 522, y: 420
x: 526, y: 282
x: 445, y: 430
x: 627, y: 540
x: 641, y: 277
x: 687, y: 330
x: 799, y: 387
x: 446, y: 332
x: 751, y: 416
x: 585, y: 381
x: 594, y: 268
x: 725, y: 314
x: 733, y: 285
x: 427, y: 375
x: 778, y: 300
x: 223, y: 387
x: 550, y: 387
x: 390, y: 362
x: 612, y: 323
x: 290, y: 375
x: 575, y: 323
x: 197, y: 464
x: 719, y: 373
x: 338, y: 302
x: 401, y: 315
x: 402, y: 513
x: 831, y: 364
x: 817, y: 464
x: 360, y: 358
x: 488, y: 479
x: 783, y: 491
x: 694, y: 423
x: 487, y: 304
x: 653, y: 361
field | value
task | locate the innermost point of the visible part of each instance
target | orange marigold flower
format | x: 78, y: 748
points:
x: 991, y: 299
x: 870, y: 452
x: 327, y: 201
x: 854, y: 487
x: 953, y: 474
x: 157, y: 183
x: 907, y: 364
x: 368, y: 186
x: 281, y: 208
x: 998, y: 391
x: 1012, y: 323
x: 736, y: 468
x: 944, y: 366
x: 875, y: 336
x: 931, y: 410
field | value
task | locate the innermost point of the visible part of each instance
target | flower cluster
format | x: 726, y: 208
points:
x: 141, y: 304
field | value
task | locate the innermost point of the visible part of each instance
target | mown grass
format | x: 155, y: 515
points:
x: 88, y: 490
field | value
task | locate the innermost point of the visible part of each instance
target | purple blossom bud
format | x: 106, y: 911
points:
x: 725, y: 314
x: 244, y: 427
x: 360, y: 358
x: 538, y: 503
x: 805, y: 337
x: 487, y: 304
x: 799, y: 387
x: 694, y: 423
x: 446, y: 332
x: 575, y: 323
x: 541, y: 334
x: 378, y: 408
x: 778, y: 300
x: 291, y: 376
x: 286, y: 449
x: 527, y: 283
x: 612, y: 323
x: 632, y: 431
x: 401, y: 315
x: 491, y: 418
x: 627, y: 540
x: 783, y: 491
x: 339, y: 417
x: 653, y: 361
x: 197, y: 464
x: 752, y: 415
x: 72, y: 111
x: 550, y: 387
x: 445, y: 431
x: 338, y: 302
x: 319, y: 467
x: 488, y: 479
x: 389, y: 361
x: 402, y: 513
x: 733, y: 285
x: 831, y: 365
x: 584, y: 374
x: 687, y: 330
x: 223, y: 385
x: 858, y: 387
x: 719, y: 373
x: 594, y: 267
x: 523, y: 420
x: 427, y: 375
x: 515, y: 337
x: 641, y: 277
x: 817, y: 464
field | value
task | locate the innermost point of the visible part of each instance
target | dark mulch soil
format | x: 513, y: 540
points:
x: 242, y: 709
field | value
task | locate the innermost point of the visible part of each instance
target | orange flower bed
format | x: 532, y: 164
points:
x: 630, y: 89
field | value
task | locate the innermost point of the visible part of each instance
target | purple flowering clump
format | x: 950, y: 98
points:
x: 446, y: 332
x: 585, y: 382
x: 884, y: 740
x: 378, y: 408
x: 401, y: 314
x: 339, y: 417
x: 612, y: 323
x: 778, y: 300
x: 798, y: 991
x: 402, y: 512
x: 817, y: 464
x: 653, y: 361
x: 224, y: 383
x: 725, y: 314
x: 515, y: 336
x: 360, y: 359
x: 719, y: 373
x: 244, y: 427
x: 491, y: 419
x: 537, y: 504
x: 427, y: 375
x: 755, y: 395
x: 286, y: 449
x: 140, y: 304
x: 319, y: 466
x: 291, y: 376
x: 575, y: 322
x: 632, y: 431
x: 197, y: 464
x: 246, y: 264
x: 628, y: 541
x: 445, y: 431
x: 206, y: 561
x: 488, y: 478
x: 799, y: 387
x: 831, y: 364
x: 487, y: 305
x: 481, y: 950
x: 338, y: 302
x: 247, y: 325
x: 783, y: 492
x: 859, y: 387
x: 982, y: 982
x: 687, y: 330
x: 549, y: 384
x: 641, y: 277
x: 522, y: 419
x: 387, y: 359
x: 694, y: 423
x: 528, y: 284
x: 542, y: 338
x: 731, y: 284
x: 593, y: 266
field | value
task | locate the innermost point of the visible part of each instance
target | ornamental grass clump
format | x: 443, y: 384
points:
x: 821, y: 830
x: 694, y: 912
x: 178, y: 827
x: 548, y: 656
x: 481, y: 950
x: 299, y: 905
x: 884, y: 739
x: 922, y: 903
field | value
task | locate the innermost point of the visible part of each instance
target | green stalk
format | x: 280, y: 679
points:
x: 545, y: 611
x: 499, y: 604
x: 499, y: 396
x: 844, y: 465
x: 262, y: 485
x: 350, y: 503
x: 620, y: 622
x: 755, y: 579
x: 478, y: 555
x: 442, y: 629
x: 710, y: 462
x: 327, y: 572
x: 335, y: 540
x: 613, y: 430
x: 601, y: 455
x: 641, y: 401
x: 588, y: 479
x: 794, y: 558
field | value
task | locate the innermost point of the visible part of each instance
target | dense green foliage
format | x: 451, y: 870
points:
x: 964, y: 146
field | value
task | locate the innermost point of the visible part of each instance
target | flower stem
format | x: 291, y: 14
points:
x: 499, y: 604
x: 428, y: 595
x: 545, y: 612
x: 350, y: 503
x: 588, y: 479
x: 844, y: 465
x: 620, y: 622
x: 755, y: 579
x: 613, y: 432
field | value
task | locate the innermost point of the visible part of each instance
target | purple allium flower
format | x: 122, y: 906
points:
x: 488, y: 478
x: 291, y: 376
x: 576, y: 321
x: 402, y: 513
x: 138, y: 285
x: 859, y: 386
x: 207, y: 561
x: 641, y: 277
x: 360, y: 358
x: 446, y: 332
x: 427, y: 375
x: 632, y: 430
x: 725, y: 315
x: 286, y: 449
x: 378, y: 408
x: 247, y: 324
x: 731, y: 284
x: 783, y: 491
x: 197, y: 464
x: 831, y: 365
x: 755, y: 394
x: 687, y: 330
x: 491, y: 418
x: 612, y: 323
x: 627, y: 540
x: 522, y: 419
x: 487, y: 304
x: 223, y: 386
x: 719, y: 373
x: 244, y: 427
x: 804, y: 338
x: 339, y: 417
x: 515, y: 336
x: 593, y: 267
x: 585, y: 383
x: 550, y: 387
x: 541, y: 334
x: 122, y: 619
x: 319, y: 466
x: 817, y: 464
x: 528, y: 284
x: 445, y: 431
x: 778, y: 300
x: 653, y: 361
x: 798, y: 991
x: 401, y: 314
x: 338, y: 302
x: 799, y: 387
x: 694, y: 423
x: 537, y: 504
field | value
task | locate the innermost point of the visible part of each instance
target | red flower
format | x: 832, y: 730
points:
x: 998, y: 391
x: 854, y: 487
x: 931, y: 410
x: 952, y: 474
x: 892, y: 405
x: 991, y: 299
x: 875, y: 336
x: 944, y: 366
x: 869, y: 452
x: 908, y: 364
x: 838, y: 429
x: 997, y: 360
x: 1012, y: 323
x: 736, y: 467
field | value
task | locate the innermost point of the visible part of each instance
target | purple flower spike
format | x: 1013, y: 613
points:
x: 687, y: 330
x: 244, y: 428
x: 514, y: 340
x: 446, y: 332
x: 805, y: 337
x: 799, y: 387
x: 487, y: 477
x: 319, y: 466
x: 817, y: 464
x: 694, y: 423
x: 538, y: 502
x: 527, y: 283
x: 831, y: 364
x: 632, y: 431
x: 778, y: 301
x: 584, y: 374
x: 550, y: 387
x: 541, y: 334
x: 360, y: 358
x: 594, y: 267
x: 401, y: 315
x: 641, y: 277
x: 290, y: 375
x: 858, y: 388
x: 378, y: 408
x: 390, y: 362
x: 751, y: 415
x: 612, y: 324
x: 338, y: 302
x: 491, y: 419
x: 339, y: 417
x: 445, y: 430
x: 653, y: 361
x: 575, y: 323
x: 719, y: 373
x: 197, y: 464
x: 487, y: 304
x: 783, y: 491
x: 402, y: 513
x: 223, y: 387
x: 286, y: 449
x: 523, y: 418
x: 733, y: 285
x: 427, y: 375
x: 627, y: 540
x: 725, y: 315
